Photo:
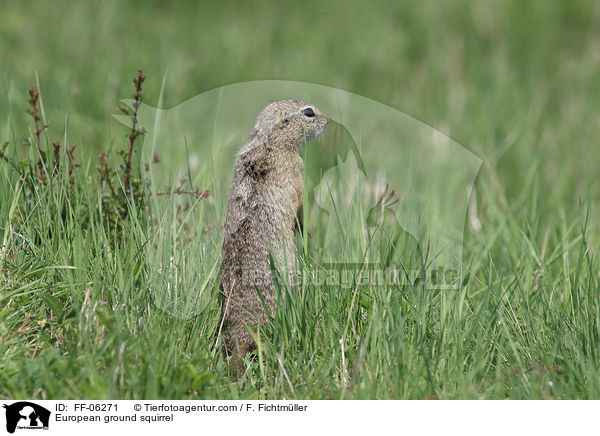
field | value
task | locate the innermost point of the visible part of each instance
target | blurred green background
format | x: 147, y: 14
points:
x: 516, y: 83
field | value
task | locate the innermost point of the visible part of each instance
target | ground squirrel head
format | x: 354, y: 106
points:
x: 289, y: 123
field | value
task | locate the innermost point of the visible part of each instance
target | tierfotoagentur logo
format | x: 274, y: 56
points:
x: 385, y: 195
x: 25, y: 415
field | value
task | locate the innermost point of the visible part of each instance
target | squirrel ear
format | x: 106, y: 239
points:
x: 284, y: 122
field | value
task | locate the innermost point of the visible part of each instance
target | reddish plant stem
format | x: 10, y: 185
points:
x: 196, y: 192
x: 34, y: 111
x: 138, y: 95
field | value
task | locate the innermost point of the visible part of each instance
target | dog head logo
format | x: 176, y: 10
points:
x: 401, y: 186
x: 26, y: 415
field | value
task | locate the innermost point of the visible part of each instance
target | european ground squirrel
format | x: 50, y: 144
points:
x: 263, y: 213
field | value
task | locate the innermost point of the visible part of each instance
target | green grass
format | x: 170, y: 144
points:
x: 516, y: 84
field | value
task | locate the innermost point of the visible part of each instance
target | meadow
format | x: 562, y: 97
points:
x: 516, y: 84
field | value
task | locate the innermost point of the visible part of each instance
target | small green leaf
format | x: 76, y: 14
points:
x: 54, y: 304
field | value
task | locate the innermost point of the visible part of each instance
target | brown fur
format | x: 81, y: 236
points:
x: 264, y: 203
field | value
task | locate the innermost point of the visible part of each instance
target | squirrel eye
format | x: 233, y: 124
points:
x: 309, y: 112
